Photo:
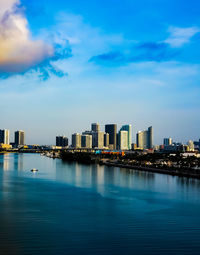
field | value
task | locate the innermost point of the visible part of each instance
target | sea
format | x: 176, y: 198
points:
x: 75, y: 209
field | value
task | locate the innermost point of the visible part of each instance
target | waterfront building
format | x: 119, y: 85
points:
x: 128, y: 128
x: 191, y: 145
x: 19, y: 137
x: 123, y: 140
x: 133, y: 146
x: 13, y: 145
x: 177, y: 147
x: 167, y: 141
x: 76, y: 140
x: 5, y: 146
x: 197, y: 145
x: 156, y: 147
x: 145, y: 139
x: 86, y: 141
x: 111, y: 129
x: 5, y: 136
x: 61, y: 141
x: 95, y: 127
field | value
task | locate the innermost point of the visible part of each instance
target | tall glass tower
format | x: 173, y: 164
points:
x: 111, y: 129
x: 20, y: 137
x: 129, y: 129
x: 4, y: 136
x: 145, y: 139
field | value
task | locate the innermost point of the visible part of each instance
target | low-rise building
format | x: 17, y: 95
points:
x: 5, y: 146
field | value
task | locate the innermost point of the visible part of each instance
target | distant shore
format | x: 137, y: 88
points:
x: 172, y: 172
x: 88, y: 158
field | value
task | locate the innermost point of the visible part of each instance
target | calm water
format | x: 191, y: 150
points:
x: 77, y: 209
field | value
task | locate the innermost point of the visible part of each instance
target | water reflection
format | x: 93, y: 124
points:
x: 10, y: 162
x: 187, y: 182
x: 6, y: 162
x: 109, y: 181
x: 102, y: 179
x: 18, y: 161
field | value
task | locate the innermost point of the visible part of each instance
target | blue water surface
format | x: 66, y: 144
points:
x: 69, y: 208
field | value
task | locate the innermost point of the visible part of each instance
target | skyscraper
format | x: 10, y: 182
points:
x: 128, y: 128
x: 167, y: 141
x: 76, y: 140
x: 145, y: 139
x: 19, y: 137
x: 5, y: 136
x: 98, y: 140
x: 191, y: 145
x: 111, y: 129
x: 95, y: 127
x: 86, y: 141
x: 61, y: 141
x: 141, y: 139
x: 150, y: 138
x: 123, y: 140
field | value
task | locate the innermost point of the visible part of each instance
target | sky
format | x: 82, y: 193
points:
x: 66, y: 64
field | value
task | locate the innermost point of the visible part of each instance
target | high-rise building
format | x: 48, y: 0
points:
x: 150, y: 138
x: 5, y: 136
x: 87, y: 132
x: 95, y: 127
x: 133, y: 146
x: 61, y: 141
x: 141, y: 139
x: 197, y: 144
x: 123, y: 140
x: 98, y: 140
x: 111, y: 129
x: 191, y: 145
x: 167, y: 141
x: 86, y: 141
x: 19, y: 137
x: 128, y: 128
x: 145, y: 139
x: 76, y: 140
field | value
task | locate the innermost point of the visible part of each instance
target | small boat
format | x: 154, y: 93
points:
x: 34, y: 170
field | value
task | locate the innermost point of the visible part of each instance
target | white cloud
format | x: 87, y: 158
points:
x: 180, y: 36
x: 19, y: 51
x: 84, y: 39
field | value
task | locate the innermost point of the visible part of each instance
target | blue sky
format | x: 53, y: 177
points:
x: 66, y: 64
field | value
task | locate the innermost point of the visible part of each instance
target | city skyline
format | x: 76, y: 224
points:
x: 78, y: 65
x: 95, y: 128
x: 103, y: 139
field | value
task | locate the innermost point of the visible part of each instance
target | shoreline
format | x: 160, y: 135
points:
x: 120, y: 161
x: 171, y: 172
x: 187, y: 173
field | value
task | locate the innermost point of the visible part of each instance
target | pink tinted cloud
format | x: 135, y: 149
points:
x: 19, y: 52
